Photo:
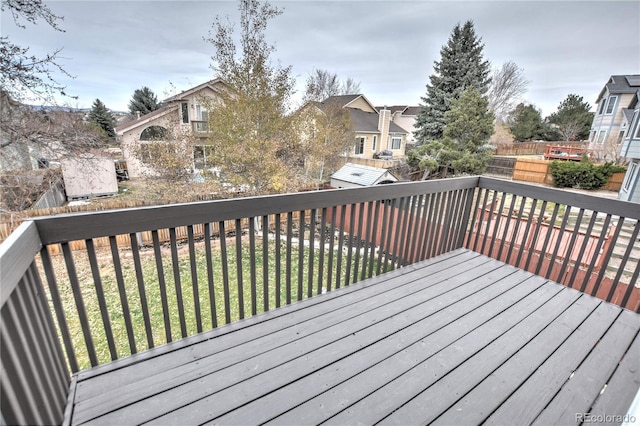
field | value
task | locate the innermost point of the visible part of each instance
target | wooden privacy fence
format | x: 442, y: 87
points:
x: 534, y: 148
x: 538, y: 171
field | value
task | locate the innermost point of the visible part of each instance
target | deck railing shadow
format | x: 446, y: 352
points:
x: 175, y: 271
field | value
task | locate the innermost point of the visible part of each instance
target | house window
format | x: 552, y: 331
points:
x: 611, y: 104
x: 375, y: 138
x: 185, y: 112
x: 602, y: 105
x: 153, y: 133
x: 396, y: 141
x: 637, y: 135
x: 602, y: 136
x: 633, y: 168
x: 360, y: 146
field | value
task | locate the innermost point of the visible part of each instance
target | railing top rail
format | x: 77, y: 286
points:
x: 70, y: 227
x: 16, y: 255
x: 589, y: 202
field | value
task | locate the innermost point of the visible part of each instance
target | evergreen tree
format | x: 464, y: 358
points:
x: 100, y: 115
x: 463, y: 148
x: 573, y: 118
x: 461, y: 65
x: 526, y: 123
x: 143, y: 101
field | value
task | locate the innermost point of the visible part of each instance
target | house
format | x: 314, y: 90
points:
x: 355, y: 175
x: 630, y: 149
x: 182, y: 116
x: 613, y: 115
x: 373, y: 129
x: 405, y: 116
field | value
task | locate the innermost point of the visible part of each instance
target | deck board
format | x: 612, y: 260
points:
x: 460, y: 338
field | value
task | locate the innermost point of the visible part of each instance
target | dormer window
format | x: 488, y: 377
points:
x: 611, y: 104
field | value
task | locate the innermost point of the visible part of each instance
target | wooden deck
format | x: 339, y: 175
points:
x: 457, y: 339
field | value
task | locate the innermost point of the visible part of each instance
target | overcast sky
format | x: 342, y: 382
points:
x: 115, y: 47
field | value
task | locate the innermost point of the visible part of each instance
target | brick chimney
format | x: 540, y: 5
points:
x: 383, y: 126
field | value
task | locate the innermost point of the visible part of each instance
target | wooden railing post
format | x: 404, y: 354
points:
x: 34, y: 381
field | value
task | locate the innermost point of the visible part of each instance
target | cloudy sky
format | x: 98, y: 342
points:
x: 115, y: 47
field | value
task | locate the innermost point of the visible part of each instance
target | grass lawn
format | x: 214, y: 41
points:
x: 153, y: 292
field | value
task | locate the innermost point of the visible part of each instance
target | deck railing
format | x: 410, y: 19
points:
x: 85, y: 289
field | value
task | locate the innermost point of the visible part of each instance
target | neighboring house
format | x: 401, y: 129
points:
x: 404, y: 116
x: 613, y: 115
x: 630, y: 189
x: 183, y: 116
x: 374, y: 131
x: 355, y: 175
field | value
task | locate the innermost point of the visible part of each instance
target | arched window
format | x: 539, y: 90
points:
x: 153, y: 133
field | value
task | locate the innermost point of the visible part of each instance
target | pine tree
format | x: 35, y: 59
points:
x: 461, y: 65
x: 100, y: 115
x: 143, y: 101
x: 573, y: 118
x: 526, y: 123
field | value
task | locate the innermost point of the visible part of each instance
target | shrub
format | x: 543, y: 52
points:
x: 583, y: 174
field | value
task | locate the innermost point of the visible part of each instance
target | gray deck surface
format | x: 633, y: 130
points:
x: 457, y: 339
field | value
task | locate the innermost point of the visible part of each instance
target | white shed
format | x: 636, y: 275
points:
x: 355, y: 175
x: 89, y: 175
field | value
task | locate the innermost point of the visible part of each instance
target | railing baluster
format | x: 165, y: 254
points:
x: 523, y: 241
x: 58, y: 308
x: 607, y: 257
x: 352, y: 225
x: 457, y: 220
x: 583, y: 248
x: 265, y: 262
x: 416, y: 233
x: 505, y: 232
x: 194, y: 278
x: 141, y: 288
x: 162, y: 285
x: 536, y: 232
x: 384, y: 231
x: 623, y: 264
x: 356, y: 265
x: 596, y: 252
x: 288, y: 259
x: 516, y: 228
x: 343, y: 215
x: 631, y: 286
x: 77, y: 296
x: 401, y: 249
x: 446, y: 227
x: 300, y: 290
x: 399, y: 222
x: 496, y: 225
x: 312, y: 231
x: 104, y: 312
x: 278, y: 258
x: 332, y: 233
x: 321, y: 244
x: 210, y: 278
x: 489, y: 220
x: 550, y: 229
x: 369, y: 241
x: 226, y: 285
x: 252, y: 266
x: 122, y: 290
x: 567, y: 258
x: 240, y: 283
x: 176, y: 280
x: 421, y: 249
x: 563, y: 226
x: 480, y: 212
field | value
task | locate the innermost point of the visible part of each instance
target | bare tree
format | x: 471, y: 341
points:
x: 322, y: 84
x: 22, y: 75
x: 508, y: 84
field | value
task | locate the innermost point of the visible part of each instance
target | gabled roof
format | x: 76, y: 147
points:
x: 362, y: 175
x: 620, y: 84
x: 367, y: 122
x: 209, y: 84
x: 346, y: 100
x: 403, y: 109
x: 136, y: 122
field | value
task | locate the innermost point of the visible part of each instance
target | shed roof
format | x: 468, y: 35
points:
x: 362, y: 175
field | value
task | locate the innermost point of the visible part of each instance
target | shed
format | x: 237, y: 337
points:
x: 355, y: 175
x: 89, y: 175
